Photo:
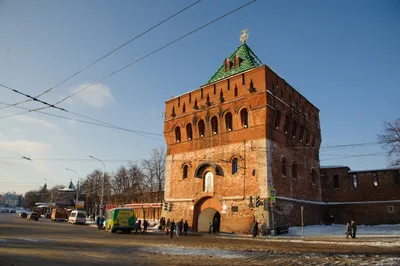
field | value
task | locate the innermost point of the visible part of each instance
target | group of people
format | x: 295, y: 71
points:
x: 170, y: 227
x: 138, y: 226
x: 351, y: 229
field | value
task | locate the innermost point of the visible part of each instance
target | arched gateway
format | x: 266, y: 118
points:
x: 207, y: 209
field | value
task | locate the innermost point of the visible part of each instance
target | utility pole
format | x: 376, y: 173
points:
x: 102, y: 184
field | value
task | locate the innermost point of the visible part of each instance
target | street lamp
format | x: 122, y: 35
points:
x: 102, y: 184
x: 77, y: 186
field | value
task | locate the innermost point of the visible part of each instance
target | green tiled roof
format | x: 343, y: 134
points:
x: 248, y: 61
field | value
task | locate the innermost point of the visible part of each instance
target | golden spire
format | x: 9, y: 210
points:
x: 244, y: 36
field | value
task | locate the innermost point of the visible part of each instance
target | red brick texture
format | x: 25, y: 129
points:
x: 257, y: 143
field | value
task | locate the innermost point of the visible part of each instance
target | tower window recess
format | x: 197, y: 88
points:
x: 307, y: 137
x: 375, y: 180
x: 185, y: 171
x: 286, y: 126
x: 189, y: 131
x: 184, y: 108
x: 201, y: 126
x: 235, y: 91
x: 228, y: 122
x: 277, y: 119
x: 284, y: 164
x: 301, y: 134
x: 214, y: 125
x: 313, y: 176
x: 234, y: 166
x: 355, y: 181
x: 244, y: 117
x: 294, y: 129
x: 178, y: 134
x: 294, y: 170
x: 336, y: 182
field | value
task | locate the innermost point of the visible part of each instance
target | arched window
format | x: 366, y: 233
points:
x: 244, y: 118
x: 294, y: 129
x: 313, y: 176
x: 301, y: 134
x: 214, y: 125
x: 185, y: 171
x: 286, y: 126
x: 178, y: 134
x: 201, y: 128
x: 284, y: 164
x: 189, y: 131
x: 277, y: 119
x: 234, y: 166
x: 208, y: 184
x: 228, y: 122
x: 294, y: 170
x: 313, y: 141
x: 307, y: 136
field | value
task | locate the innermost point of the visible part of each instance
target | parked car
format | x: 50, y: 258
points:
x: 77, y: 217
x: 33, y: 216
x: 13, y: 211
x: 5, y: 210
x: 22, y: 215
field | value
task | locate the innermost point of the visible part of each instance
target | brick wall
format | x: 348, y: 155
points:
x: 387, y: 188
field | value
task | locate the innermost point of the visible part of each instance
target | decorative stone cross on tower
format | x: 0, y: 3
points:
x: 244, y: 36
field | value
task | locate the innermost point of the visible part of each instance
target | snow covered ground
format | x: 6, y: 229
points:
x: 339, y: 230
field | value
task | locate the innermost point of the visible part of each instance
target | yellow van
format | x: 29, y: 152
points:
x: 122, y: 219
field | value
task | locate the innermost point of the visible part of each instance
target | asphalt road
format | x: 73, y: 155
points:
x: 24, y: 242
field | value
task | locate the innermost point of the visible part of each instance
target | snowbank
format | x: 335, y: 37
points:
x: 339, y: 230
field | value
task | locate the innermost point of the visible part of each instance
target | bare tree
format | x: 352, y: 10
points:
x: 154, y: 169
x: 390, y: 140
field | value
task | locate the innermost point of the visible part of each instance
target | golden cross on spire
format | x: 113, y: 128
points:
x: 244, y: 36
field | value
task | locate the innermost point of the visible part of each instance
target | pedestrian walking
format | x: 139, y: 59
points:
x: 179, y: 226
x: 255, y: 229
x: 145, y: 224
x: 172, y: 228
x: 353, y: 228
x: 348, y: 230
x: 210, y: 226
x: 185, y: 228
x: 168, y: 226
x: 140, y: 226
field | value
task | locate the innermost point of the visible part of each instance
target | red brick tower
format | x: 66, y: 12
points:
x: 242, y: 134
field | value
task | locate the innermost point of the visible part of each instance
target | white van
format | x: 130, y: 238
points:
x: 77, y: 217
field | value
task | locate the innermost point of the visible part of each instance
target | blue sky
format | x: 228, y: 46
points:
x: 342, y: 55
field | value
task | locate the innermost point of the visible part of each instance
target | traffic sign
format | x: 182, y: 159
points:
x: 272, y: 193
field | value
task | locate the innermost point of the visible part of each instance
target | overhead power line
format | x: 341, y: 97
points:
x: 140, y: 59
x: 101, y: 58
x: 142, y: 133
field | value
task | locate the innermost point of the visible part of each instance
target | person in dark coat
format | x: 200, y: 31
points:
x: 353, y: 228
x: 185, y: 228
x: 168, y: 226
x: 210, y: 226
x: 145, y: 224
x: 348, y: 230
x: 255, y: 229
x: 172, y: 228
